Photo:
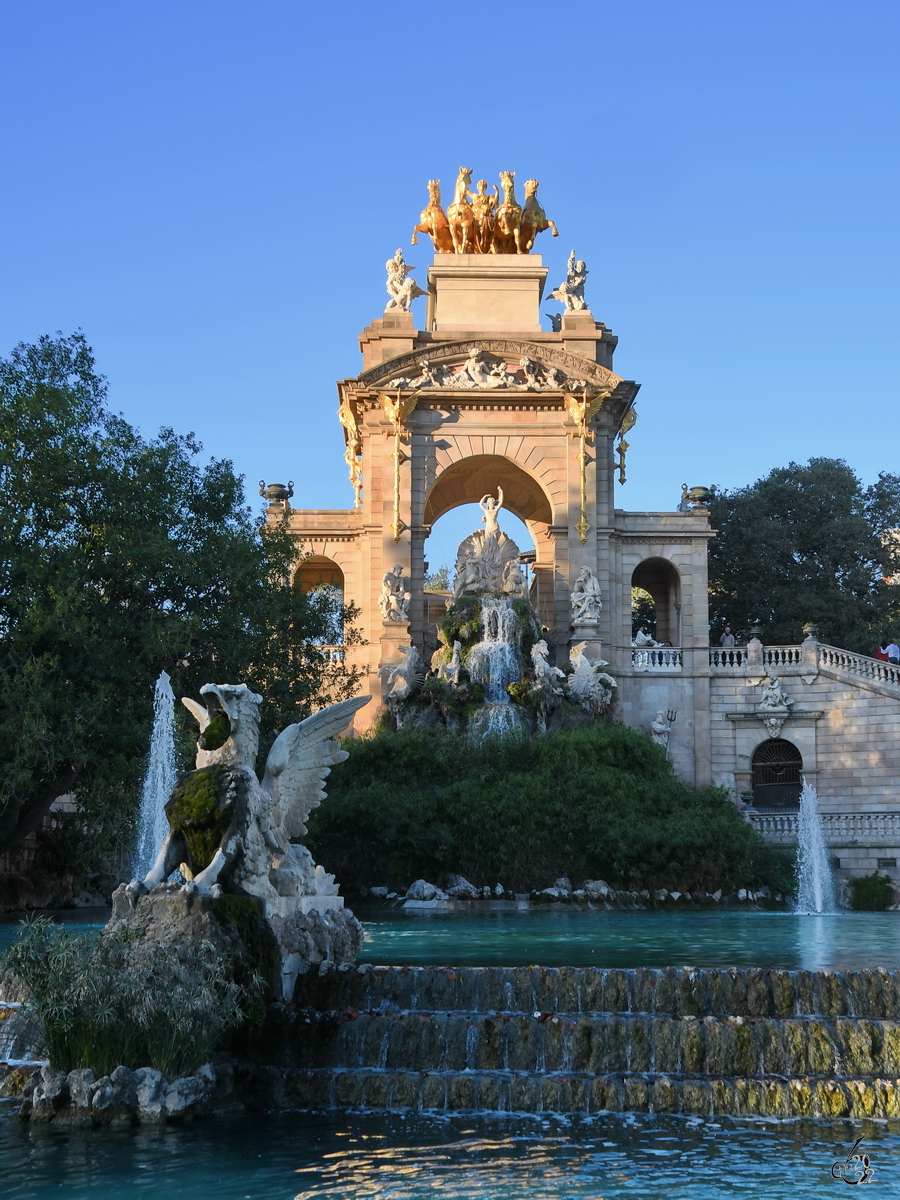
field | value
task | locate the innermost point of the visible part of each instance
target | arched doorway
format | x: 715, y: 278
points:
x: 777, y: 770
x: 659, y: 579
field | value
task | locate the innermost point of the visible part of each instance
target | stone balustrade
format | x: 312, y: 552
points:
x: 858, y: 666
x: 842, y: 830
x: 665, y: 658
x: 727, y: 658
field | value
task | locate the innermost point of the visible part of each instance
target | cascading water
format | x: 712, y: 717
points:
x: 495, y: 663
x: 159, y: 779
x: 815, y: 881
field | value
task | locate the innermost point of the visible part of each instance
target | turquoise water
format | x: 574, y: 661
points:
x: 364, y: 1157
x: 503, y: 934
x: 509, y: 937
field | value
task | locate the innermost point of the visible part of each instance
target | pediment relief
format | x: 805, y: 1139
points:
x: 489, y: 364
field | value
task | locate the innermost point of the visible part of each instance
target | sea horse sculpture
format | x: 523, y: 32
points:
x: 433, y: 221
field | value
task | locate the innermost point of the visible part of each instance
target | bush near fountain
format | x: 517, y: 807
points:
x: 871, y: 893
x: 600, y: 802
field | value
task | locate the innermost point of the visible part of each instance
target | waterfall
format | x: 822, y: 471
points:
x: 494, y: 663
x: 159, y: 780
x: 815, y: 881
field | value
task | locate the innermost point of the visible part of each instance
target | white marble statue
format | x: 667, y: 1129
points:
x: 395, y: 597
x: 660, y: 729
x: 774, y: 695
x: 401, y: 680
x: 535, y: 375
x: 571, y: 293
x: 544, y: 673
x: 585, y: 597
x: 449, y: 671
x: 588, y: 684
x: 488, y: 560
x: 401, y: 287
x: 250, y: 822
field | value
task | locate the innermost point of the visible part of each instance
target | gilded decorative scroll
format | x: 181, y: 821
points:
x: 581, y: 409
x: 398, y: 410
x: 353, y: 453
x: 628, y: 422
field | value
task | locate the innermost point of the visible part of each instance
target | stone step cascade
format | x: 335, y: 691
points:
x: 533, y: 1039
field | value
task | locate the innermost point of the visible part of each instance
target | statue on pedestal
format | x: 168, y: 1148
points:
x: 585, y: 597
x: 589, y: 684
x: 395, y: 596
x: 401, y: 287
x: 571, y: 292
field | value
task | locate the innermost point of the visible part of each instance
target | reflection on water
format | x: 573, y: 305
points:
x: 510, y: 937
x: 363, y: 1157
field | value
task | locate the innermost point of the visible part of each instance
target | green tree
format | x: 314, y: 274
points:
x: 122, y: 557
x: 807, y: 543
x: 439, y: 580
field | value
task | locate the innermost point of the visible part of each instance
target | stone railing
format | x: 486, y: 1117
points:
x: 666, y: 658
x: 840, y: 829
x: 778, y: 657
x: 728, y: 658
x: 858, y: 666
x: 333, y: 655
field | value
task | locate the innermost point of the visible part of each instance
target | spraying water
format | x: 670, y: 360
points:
x: 815, y: 881
x: 159, y: 780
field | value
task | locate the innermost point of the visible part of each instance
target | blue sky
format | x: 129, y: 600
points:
x: 210, y: 191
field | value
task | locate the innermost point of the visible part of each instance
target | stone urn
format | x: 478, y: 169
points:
x: 699, y: 496
x: 276, y: 493
x: 810, y: 630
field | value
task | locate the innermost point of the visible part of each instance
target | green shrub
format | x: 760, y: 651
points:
x: 108, y: 999
x: 871, y: 893
x: 595, y: 802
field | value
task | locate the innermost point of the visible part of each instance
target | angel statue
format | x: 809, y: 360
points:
x: 401, y: 287
x: 230, y: 831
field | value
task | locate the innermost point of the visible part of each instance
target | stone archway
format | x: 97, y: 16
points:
x: 468, y: 479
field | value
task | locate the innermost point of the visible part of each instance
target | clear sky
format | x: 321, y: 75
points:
x: 209, y: 190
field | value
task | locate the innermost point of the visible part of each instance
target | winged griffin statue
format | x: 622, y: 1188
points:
x: 230, y: 831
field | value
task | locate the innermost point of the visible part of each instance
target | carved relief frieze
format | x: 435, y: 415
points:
x: 410, y: 365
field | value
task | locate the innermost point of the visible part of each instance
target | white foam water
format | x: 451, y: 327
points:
x: 815, y: 878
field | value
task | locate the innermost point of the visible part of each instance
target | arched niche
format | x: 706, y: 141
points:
x: 659, y: 578
x: 777, y: 767
x: 318, y: 571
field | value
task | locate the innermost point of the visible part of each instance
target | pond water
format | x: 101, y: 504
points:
x: 509, y: 935
x: 364, y: 1157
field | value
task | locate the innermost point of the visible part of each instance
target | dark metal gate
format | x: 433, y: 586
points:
x: 777, y: 769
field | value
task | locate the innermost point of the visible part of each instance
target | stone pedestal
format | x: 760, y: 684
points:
x: 589, y: 633
x: 486, y: 293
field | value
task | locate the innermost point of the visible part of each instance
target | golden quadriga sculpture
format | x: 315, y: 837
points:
x: 480, y: 223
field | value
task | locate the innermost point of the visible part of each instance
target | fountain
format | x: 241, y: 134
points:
x: 159, y: 779
x: 815, y: 880
x: 495, y: 663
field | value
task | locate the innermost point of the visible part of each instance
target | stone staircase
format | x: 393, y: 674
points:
x: 533, y: 1039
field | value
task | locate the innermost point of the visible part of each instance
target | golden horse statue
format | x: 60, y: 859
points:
x: 534, y: 219
x: 461, y: 216
x: 434, y: 222
x: 508, y: 218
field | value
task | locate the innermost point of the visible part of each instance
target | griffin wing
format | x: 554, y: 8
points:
x: 299, y: 762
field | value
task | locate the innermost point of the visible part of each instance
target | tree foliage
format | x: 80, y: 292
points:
x: 123, y: 557
x: 807, y: 544
x: 596, y: 803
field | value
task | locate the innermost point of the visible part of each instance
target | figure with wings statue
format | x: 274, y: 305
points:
x: 230, y: 832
